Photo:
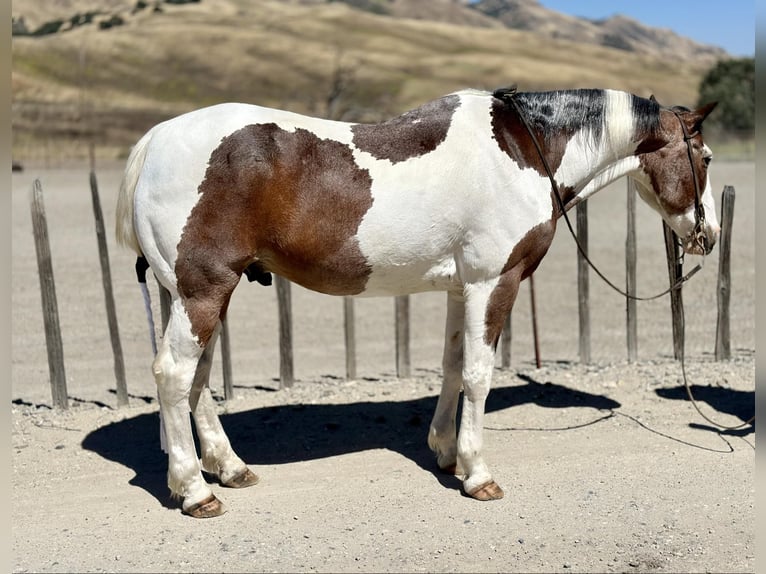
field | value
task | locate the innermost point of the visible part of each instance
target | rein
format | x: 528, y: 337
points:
x: 509, y: 95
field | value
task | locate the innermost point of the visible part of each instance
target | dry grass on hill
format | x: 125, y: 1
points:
x: 117, y: 83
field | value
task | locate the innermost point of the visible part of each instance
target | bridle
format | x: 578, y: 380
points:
x: 698, y: 234
x: 508, y: 95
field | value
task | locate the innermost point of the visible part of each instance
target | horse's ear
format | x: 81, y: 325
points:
x: 704, y: 111
x: 695, y: 118
x: 653, y: 99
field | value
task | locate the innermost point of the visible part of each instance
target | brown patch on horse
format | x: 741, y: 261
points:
x: 677, y: 193
x: 515, y: 140
x: 413, y: 134
x: 521, y: 263
x: 290, y: 201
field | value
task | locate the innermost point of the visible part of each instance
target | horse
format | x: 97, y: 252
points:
x: 455, y: 196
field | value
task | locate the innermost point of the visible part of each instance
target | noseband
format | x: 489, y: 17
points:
x: 508, y: 95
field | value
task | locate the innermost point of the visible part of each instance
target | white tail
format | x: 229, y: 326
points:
x: 124, y: 227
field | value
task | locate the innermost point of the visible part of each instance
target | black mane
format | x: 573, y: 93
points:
x: 573, y: 110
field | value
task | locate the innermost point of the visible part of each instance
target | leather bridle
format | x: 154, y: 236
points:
x: 508, y: 95
x: 698, y: 235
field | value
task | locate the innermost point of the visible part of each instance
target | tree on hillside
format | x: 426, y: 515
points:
x: 732, y: 84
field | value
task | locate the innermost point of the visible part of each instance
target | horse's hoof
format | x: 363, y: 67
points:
x: 208, y: 508
x: 243, y: 479
x: 487, y: 491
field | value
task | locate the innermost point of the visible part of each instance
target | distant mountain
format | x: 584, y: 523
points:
x: 106, y: 70
x: 618, y: 31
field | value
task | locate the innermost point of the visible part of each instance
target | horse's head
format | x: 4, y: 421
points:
x: 670, y: 160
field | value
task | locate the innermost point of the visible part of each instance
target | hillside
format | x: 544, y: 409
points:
x: 111, y: 83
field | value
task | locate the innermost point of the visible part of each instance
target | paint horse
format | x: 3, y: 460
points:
x: 452, y: 196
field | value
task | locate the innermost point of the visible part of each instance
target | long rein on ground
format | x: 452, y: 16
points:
x: 508, y: 95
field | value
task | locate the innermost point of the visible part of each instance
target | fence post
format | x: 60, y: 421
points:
x: 402, y: 319
x: 106, y: 278
x: 675, y: 272
x: 722, y: 339
x: 583, y: 283
x: 349, y: 330
x: 630, y: 275
x: 49, y: 302
x: 284, y: 301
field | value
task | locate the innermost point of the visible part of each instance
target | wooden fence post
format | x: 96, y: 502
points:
x: 402, y: 319
x: 630, y: 275
x: 284, y: 301
x: 49, y: 303
x: 106, y: 278
x: 675, y: 272
x: 722, y: 338
x: 583, y: 282
x: 349, y: 330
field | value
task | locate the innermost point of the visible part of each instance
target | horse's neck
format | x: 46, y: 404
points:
x: 604, y: 176
x: 595, y: 158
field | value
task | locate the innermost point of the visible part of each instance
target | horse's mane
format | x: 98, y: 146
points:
x: 581, y: 109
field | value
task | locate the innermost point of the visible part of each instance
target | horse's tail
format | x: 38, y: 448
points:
x: 125, y: 228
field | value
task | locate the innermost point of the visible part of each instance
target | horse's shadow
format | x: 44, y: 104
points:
x: 300, y: 432
x: 740, y: 404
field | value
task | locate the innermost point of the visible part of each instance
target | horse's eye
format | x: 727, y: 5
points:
x: 707, y: 159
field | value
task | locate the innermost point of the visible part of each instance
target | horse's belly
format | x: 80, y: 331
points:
x: 403, y: 280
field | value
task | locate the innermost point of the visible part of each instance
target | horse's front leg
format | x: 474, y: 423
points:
x: 486, y: 306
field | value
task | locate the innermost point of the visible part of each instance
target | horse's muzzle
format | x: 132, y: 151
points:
x: 701, y: 242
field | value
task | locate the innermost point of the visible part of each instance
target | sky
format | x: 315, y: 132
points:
x: 728, y: 24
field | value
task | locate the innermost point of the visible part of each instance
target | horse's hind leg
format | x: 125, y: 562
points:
x: 442, y: 437
x: 193, y: 319
x: 217, y: 455
x: 174, y: 369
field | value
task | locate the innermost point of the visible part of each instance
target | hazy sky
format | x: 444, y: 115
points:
x: 728, y: 24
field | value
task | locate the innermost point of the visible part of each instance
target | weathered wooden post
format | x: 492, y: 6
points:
x: 630, y: 275
x: 722, y: 335
x: 50, y: 305
x: 106, y: 278
x: 402, y: 320
x: 284, y: 301
x: 675, y: 271
x: 583, y: 282
x: 349, y: 330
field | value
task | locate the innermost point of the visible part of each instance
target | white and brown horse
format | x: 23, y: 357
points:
x: 452, y: 196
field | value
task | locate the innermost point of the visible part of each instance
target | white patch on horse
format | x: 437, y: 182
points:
x: 436, y: 222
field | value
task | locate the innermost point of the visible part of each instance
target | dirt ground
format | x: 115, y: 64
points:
x: 606, y: 466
